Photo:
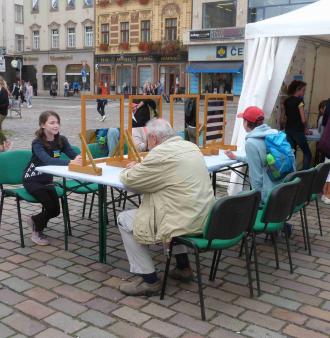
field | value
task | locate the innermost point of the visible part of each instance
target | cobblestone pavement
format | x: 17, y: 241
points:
x: 47, y: 292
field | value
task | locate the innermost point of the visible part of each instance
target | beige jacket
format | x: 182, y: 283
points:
x: 177, y: 191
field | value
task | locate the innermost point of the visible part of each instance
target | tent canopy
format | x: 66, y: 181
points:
x: 269, y: 47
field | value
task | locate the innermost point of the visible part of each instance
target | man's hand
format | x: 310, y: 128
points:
x: 131, y: 164
x: 230, y: 154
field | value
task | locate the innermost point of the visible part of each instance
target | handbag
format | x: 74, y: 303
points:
x: 324, y: 143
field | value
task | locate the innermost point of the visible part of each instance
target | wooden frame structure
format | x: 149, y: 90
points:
x: 186, y: 96
x: 219, y: 120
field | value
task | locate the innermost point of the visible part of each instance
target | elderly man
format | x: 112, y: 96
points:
x: 177, y: 196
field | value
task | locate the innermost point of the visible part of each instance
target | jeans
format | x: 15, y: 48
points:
x: 112, y: 139
x: 298, y: 138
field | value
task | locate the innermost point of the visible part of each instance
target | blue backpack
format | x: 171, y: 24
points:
x: 280, y: 159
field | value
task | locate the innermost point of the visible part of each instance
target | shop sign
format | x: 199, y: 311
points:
x: 218, y: 34
x: 200, y: 35
x: 61, y: 57
x: 30, y: 58
x: 228, y: 52
x: 225, y: 52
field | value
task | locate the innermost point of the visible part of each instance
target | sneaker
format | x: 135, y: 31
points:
x: 102, y: 118
x: 325, y: 199
x: 37, y: 239
x: 184, y: 275
x: 140, y: 288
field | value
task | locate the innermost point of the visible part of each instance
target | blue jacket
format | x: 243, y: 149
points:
x: 255, y: 149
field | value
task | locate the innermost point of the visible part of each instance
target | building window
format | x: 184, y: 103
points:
x: 89, y: 36
x: 71, y: 37
x: 219, y: 14
x: 124, y: 32
x: 19, y: 42
x: 145, y: 31
x: 105, y: 33
x: 70, y: 4
x: 55, y: 38
x: 35, y: 40
x: 18, y: 13
x: 54, y: 5
x: 264, y: 9
x: 35, y: 5
x: 170, y: 29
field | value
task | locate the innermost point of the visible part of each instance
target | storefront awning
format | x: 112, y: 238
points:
x: 215, y: 67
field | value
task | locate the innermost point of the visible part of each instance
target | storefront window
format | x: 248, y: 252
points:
x: 219, y: 14
x: 49, y: 76
x: 74, y: 77
x: 216, y: 83
x: 145, y: 75
x: 264, y: 9
x: 124, y: 80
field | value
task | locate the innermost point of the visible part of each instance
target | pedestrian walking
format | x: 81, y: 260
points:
x: 29, y: 94
x: 4, y: 103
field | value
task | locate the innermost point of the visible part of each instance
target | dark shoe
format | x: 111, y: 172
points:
x: 184, y: 275
x: 140, y: 288
x: 288, y: 229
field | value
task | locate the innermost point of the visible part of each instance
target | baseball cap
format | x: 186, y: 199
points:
x: 252, y: 114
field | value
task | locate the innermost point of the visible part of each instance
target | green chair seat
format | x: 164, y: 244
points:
x: 79, y: 188
x: 260, y: 226
x: 314, y: 197
x: 217, y: 244
x: 24, y: 195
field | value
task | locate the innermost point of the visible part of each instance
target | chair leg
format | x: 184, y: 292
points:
x: 288, y: 247
x: 199, y: 280
x: 167, y: 268
x: 113, y: 203
x: 139, y: 198
x: 84, y: 206
x: 20, y: 222
x: 66, y: 206
x: 215, y: 264
x: 256, y: 262
x: 65, y: 224
x: 125, y: 198
x: 1, y: 205
x: 241, y: 248
x: 91, y: 206
x: 303, y: 228
x: 318, y: 216
x: 248, y: 267
x: 307, y: 233
x: 272, y: 235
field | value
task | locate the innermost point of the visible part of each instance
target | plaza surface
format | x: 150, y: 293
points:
x: 47, y: 292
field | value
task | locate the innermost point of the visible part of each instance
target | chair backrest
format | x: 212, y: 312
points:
x: 322, y: 171
x: 65, y: 157
x: 232, y: 215
x: 12, y: 165
x: 305, y: 186
x: 281, y: 202
x: 97, y: 150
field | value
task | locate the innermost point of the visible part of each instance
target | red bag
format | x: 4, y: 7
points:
x: 324, y: 144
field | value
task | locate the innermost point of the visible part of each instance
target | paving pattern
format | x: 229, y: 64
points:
x: 46, y: 292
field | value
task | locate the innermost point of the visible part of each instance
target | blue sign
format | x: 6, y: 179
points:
x: 221, y: 52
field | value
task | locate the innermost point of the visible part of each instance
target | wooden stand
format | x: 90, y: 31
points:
x: 213, y: 148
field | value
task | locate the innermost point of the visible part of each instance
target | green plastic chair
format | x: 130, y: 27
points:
x: 12, y: 164
x: 228, y: 223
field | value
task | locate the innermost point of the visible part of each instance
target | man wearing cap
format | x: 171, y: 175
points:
x: 255, y: 148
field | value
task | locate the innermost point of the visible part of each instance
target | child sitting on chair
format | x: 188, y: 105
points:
x: 46, y: 150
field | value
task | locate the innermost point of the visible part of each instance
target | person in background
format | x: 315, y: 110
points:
x: 29, y: 94
x: 296, y: 123
x: 66, y: 87
x: 101, y: 102
x: 4, y: 103
x: 46, y: 150
x: 175, y: 202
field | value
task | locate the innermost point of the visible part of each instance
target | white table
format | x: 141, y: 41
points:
x: 110, y: 177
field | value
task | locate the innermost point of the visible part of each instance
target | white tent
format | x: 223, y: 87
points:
x: 269, y: 47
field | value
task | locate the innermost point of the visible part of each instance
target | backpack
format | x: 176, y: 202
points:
x: 280, y: 159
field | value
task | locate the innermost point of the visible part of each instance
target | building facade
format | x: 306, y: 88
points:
x: 59, y: 44
x: 11, y: 38
x: 140, y: 41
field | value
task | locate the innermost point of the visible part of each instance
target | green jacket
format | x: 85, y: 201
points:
x: 177, y: 191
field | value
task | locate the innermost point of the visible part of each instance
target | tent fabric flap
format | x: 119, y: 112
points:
x: 215, y: 67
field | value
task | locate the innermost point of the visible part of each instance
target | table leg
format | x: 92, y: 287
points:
x: 102, y: 224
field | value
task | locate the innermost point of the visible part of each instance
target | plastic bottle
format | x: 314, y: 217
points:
x: 271, y: 166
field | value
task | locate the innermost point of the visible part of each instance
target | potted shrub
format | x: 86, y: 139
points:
x: 124, y: 46
x: 143, y: 46
x: 104, y: 46
x: 120, y: 2
x: 104, y: 3
x: 143, y: 2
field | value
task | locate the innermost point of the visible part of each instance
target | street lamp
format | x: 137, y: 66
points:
x: 17, y: 64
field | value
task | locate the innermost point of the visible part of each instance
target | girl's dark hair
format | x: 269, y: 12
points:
x: 40, y: 132
x: 322, y: 104
x: 252, y: 125
x: 295, y: 85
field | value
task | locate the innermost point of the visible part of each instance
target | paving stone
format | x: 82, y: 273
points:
x: 102, y: 305
x: 260, y: 332
x: 94, y: 332
x: 52, y: 333
x: 127, y: 330
x: 23, y: 324
x: 158, y: 311
x: 109, y: 293
x: 70, y: 278
x: 50, y: 271
x: 97, y: 318
x: 315, y: 312
x: 191, y: 309
x: 6, y: 266
x: 5, y: 310
x: 131, y: 315
x: 262, y: 320
x: 60, y: 262
x: 315, y: 282
x: 223, y: 334
x: 73, y: 293
x: 4, y: 275
x: 17, y: 284
x: 45, y: 282
x: 280, y: 301
x: 88, y: 285
x: 40, y: 294
x: 68, y: 306
x: 232, y: 310
x: 134, y: 302
x: 5, y: 331
x: 299, y: 332
x: 253, y: 304
x: 319, y: 325
x: 163, y: 328
x: 10, y: 297
x: 97, y: 276
x: 192, y: 324
x: 34, y: 309
x: 227, y: 322
x: 64, y: 322
x: 289, y: 316
x: 303, y: 298
x: 24, y: 273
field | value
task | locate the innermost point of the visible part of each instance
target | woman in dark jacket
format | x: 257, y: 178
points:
x: 4, y: 103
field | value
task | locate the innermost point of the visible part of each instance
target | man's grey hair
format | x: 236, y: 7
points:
x: 160, y: 128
